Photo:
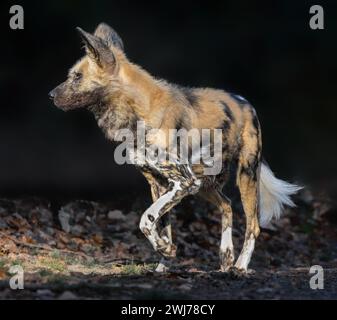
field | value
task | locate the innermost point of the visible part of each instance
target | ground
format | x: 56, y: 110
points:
x: 94, y: 250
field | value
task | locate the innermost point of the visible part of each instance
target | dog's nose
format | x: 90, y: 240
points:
x: 51, y: 94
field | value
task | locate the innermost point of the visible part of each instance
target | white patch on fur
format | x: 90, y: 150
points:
x: 163, y: 200
x: 274, y: 195
x: 226, y: 240
x: 246, y: 254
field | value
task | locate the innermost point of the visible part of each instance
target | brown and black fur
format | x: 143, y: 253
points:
x: 120, y: 93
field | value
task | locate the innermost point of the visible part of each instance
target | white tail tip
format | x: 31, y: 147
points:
x: 274, y: 195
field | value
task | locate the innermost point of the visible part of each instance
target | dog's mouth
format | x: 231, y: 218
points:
x: 67, y: 106
x: 70, y: 103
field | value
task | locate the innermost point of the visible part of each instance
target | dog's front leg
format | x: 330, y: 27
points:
x: 165, y: 230
x: 158, y: 189
x: 152, y: 215
x: 164, y: 224
x: 182, y: 182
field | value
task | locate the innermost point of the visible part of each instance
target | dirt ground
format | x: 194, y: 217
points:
x: 94, y: 250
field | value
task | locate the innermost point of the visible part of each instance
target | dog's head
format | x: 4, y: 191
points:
x: 89, y: 79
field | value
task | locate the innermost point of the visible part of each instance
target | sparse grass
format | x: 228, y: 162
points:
x: 90, y: 263
x: 69, y: 260
x: 53, y: 264
x: 135, y: 269
x: 55, y: 254
x: 17, y: 262
x: 3, y: 262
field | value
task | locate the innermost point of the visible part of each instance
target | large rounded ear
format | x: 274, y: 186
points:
x: 97, y: 49
x: 109, y: 35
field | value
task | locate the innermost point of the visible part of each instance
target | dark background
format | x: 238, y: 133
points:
x: 266, y: 52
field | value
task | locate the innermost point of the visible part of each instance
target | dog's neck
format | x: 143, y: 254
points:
x: 134, y: 99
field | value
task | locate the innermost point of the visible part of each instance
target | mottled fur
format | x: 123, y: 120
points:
x: 119, y: 93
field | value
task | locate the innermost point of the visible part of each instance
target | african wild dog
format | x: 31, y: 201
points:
x: 119, y: 93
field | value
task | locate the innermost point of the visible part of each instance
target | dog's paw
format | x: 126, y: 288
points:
x: 226, y: 268
x: 169, y: 250
x: 163, y: 266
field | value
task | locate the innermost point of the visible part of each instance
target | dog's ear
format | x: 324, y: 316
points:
x: 109, y: 35
x: 97, y: 49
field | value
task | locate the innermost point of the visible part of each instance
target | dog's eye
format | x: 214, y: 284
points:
x: 77, y: 75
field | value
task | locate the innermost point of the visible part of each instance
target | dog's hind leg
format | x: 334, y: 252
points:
x: 248, y: 190
x: 226, y: 245
x: 248, y: 175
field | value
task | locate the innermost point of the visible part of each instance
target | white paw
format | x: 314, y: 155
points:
x: 163, y: 266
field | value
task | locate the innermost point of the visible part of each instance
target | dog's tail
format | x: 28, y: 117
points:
x: 274, y: 195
